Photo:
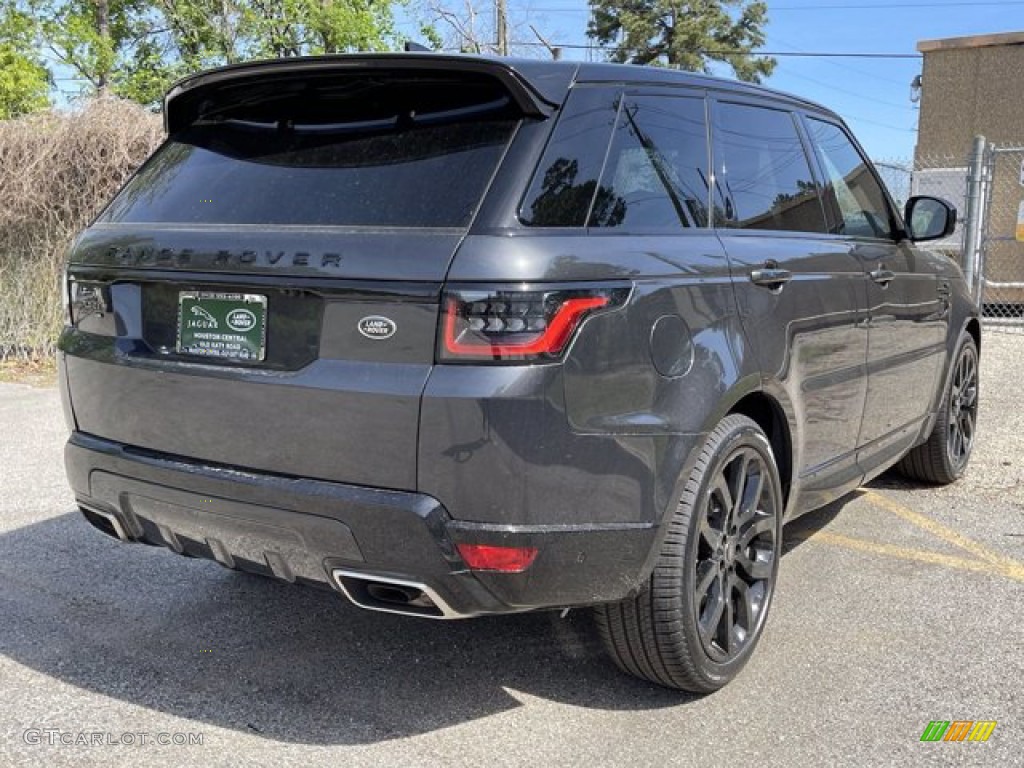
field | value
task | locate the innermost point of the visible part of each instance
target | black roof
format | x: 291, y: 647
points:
x: 600, y: 72
x: 537, y: 85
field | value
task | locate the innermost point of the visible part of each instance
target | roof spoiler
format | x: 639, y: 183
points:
x: 537, y: 93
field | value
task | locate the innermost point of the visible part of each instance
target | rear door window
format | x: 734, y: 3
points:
x: 631, y: 162
x: 368, y: 152
x: 657, y: 166
x: 764, y: 176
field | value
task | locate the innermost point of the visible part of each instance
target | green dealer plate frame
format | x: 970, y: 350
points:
x: 229, y: 327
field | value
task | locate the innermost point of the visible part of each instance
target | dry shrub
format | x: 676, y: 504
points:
x: 57, y: 170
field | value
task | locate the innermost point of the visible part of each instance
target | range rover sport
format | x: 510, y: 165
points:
x: 458, y: 336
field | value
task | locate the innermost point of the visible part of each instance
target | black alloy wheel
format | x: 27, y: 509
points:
x: 698, y: 619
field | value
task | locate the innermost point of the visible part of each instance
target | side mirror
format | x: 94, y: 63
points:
x: 929, y: 218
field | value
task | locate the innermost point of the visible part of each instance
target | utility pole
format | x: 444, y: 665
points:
x: 554, y: 50
x: 501, y: 26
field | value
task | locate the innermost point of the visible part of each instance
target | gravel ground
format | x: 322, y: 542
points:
x: 896, y: 606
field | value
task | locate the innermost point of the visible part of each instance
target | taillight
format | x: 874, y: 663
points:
x: 87, y: 299
x: 509, y: 325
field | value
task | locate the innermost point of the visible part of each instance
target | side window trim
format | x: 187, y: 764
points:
x: 833, y: 213
x: 620, y: 99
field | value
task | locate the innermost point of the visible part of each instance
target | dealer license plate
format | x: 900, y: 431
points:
x: 228, y: 326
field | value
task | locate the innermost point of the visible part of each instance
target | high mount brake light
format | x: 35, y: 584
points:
x: 510, y: 325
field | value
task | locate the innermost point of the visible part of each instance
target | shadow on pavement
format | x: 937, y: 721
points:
x: 190, y: 639
x: 193, y: 640
x: 804, y: 527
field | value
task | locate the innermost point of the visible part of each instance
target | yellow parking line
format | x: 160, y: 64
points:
x: 904, y: 553
x: 1005, y: 565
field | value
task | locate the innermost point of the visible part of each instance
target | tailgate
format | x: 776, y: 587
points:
x: 264, y: 293
x: 334, y: 397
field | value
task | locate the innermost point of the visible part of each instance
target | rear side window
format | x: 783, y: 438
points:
x: 565, y: 185
x: 764, y: 178
x: 652, y: 176
x: 856, y: 192
x: 362, y: 152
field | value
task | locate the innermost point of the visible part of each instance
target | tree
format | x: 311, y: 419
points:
x: 685, y: 34
x: 24, y: 80
x: 137, y: 48
x: 87, y: 35
x: 472, y: 26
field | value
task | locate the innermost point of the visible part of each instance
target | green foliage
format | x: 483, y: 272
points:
x: 24, y: 84
x: 137, y: 48
x: 685, y: 34
x: 24, y: 81
x: 85, y: 34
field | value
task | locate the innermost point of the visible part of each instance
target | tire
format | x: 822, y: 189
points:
x: 673, y: 633
x: 943, y: 458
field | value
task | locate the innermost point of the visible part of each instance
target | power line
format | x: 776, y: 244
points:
x: 847, y: 67
x: 839, y: 6
x: 855, y: 119
x: 846, y: 91
x: 887, y: 6
x: 736, y: 52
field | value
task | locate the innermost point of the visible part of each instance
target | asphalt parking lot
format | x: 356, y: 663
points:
x: 898, y: 605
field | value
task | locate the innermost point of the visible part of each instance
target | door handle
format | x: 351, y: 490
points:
x: 771, y: 277
x: 882, y: 276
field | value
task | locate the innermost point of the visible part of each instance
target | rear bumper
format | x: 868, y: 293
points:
x: 310, y: 531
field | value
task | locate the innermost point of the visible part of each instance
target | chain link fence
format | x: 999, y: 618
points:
x: 992, y: 256
x: 1001, y: 281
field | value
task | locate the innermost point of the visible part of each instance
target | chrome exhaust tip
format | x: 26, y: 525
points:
x: 107, y: 522
x: 388, y: 595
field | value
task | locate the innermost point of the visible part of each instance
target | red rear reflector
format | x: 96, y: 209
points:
x: 484, y: 557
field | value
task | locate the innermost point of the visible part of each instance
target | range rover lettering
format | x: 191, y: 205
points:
x: 457, y: 336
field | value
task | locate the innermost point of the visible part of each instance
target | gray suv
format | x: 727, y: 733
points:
x: 458, y: 336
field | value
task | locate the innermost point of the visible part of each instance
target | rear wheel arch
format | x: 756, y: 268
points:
x: 768, y: 413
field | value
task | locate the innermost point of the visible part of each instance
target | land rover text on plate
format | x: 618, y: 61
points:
x: 457, y: 336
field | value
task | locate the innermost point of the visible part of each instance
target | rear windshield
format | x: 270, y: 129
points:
x: 366, y: 152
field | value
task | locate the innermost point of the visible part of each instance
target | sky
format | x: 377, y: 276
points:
x: 872, y: 94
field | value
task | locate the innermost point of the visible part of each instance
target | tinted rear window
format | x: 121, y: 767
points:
x: 652, y: 176
x: 764, y: 175
x: 657, y: 165
x: 566, y: 182
x: 361, y: 153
